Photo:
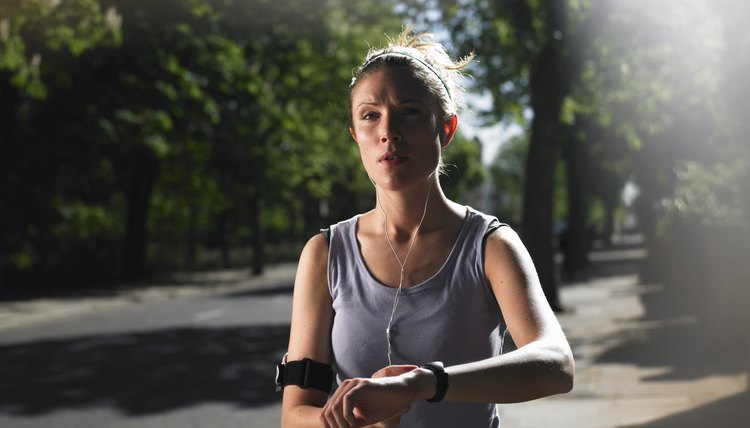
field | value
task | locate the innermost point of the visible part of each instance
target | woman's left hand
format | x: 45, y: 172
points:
x: 379, y: 400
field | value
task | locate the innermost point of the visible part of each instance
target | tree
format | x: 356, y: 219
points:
x: 528, y: 59
x: 39, y: 225
x: 152, y: 135
x: 305, y: 52
x: 508, y: 177
x: 464, y: 170
x: 158, y: 130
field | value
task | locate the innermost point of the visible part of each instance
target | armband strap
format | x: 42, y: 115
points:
x: 436, y: 367
x: 304, y: 373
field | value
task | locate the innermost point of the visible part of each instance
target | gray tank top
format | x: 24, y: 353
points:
x: 451, y: 317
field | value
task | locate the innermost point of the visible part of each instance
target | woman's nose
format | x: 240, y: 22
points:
x: 390, y: 129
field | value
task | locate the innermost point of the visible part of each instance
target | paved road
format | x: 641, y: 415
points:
x: 201, y: 361
x: 186, y: 357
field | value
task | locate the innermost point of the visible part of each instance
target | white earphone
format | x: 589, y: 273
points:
x: 402, y: 264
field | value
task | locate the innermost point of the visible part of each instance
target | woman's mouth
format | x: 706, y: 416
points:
x: 393, y: 159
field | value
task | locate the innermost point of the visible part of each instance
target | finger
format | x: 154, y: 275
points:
x: 340, y: 419
x: 394, y: 370
x: 322, y: 417
x: 326, y: 415
x: 336, y: 409
x: 401, y: 369
x: 330, y: 419
x: 324, y: 420
x: 348, y: 407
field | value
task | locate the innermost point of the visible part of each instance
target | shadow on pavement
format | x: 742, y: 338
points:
x: 729, y: 412
x: 263, y: 292
x: 609, y: 261
x: 671, y: 336
x: 674, y: 335
x: 143, y: 373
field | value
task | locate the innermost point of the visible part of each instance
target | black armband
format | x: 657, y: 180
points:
x: 304, y: 373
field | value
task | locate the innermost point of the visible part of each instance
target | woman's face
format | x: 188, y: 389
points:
x: 394, y: 122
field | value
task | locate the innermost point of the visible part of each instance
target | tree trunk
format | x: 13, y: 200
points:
x: 191, y: 238
x: 256, y: 210
x: 9, y: 100
x: 537, y: 204
x: 610, y: 206
x: 143, y: 170
x: 574, y: 242
x: 223, y: 220
x: 549, y: 86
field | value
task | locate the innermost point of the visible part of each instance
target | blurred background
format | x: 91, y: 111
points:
x: 143, y: 137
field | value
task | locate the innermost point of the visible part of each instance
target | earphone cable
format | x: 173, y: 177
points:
x: 401, y: 264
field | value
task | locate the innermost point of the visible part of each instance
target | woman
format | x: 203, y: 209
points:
x: 411, y: 300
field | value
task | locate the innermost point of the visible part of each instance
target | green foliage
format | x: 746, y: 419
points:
x: 506, y: 38
x: 656, y: 98
x: 508, y: 175
x: 182, y: 129
x: 173, y: 129
x: 52, y: 185
x: 33, y: 32
x: 80, y: 221
x: 464, y: 170
x: 708, y: 195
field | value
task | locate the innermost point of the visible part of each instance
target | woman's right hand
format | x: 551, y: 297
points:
x: 378, y: 401
x: 386, y: 372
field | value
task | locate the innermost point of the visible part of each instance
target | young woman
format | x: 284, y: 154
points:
x: 410, y: 301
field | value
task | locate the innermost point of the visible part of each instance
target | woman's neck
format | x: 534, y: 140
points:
x: 405, y: 211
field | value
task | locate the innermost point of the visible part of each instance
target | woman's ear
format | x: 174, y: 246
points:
x: 352, y: 133
x: 448, y: 130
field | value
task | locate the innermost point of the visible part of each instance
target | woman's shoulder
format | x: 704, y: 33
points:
x: 489, y: 222
x: 349, y: 222
x: 504, y: 244
x: 341, y: 230
x: 316, y: 248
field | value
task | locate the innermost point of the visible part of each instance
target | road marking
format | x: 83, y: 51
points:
x: 208, y: 315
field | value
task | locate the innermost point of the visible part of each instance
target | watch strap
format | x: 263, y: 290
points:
x: 437, y: 368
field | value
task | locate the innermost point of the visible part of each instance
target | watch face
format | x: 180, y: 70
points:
x: 435, y: 366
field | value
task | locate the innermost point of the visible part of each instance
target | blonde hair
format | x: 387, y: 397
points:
x: 428, y: 61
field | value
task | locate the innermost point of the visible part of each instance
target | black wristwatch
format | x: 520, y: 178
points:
x: 442, y: 380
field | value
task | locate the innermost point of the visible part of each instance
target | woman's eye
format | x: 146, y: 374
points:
x: 369, y: 116
x: 411, y: 111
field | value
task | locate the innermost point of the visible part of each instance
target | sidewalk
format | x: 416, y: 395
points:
x: 640, y: 362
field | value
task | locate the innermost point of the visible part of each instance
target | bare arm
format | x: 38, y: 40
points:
x: 543, y: 363
x: 310, y: 336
